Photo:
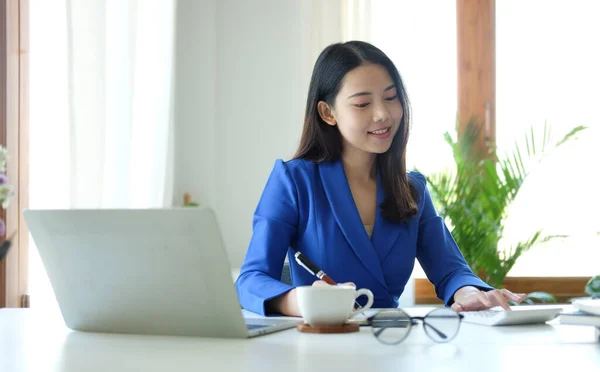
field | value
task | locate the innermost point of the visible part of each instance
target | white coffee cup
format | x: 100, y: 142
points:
x: 330, y: 305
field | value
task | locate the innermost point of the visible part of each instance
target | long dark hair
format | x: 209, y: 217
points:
x: 321, y: 142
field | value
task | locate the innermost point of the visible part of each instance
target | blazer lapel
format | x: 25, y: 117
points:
x: 347, y: 217
x: 385, y: 233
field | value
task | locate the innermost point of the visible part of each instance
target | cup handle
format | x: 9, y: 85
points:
x: 369, y: 295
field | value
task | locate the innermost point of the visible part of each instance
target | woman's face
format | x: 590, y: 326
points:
x: 367, y: 110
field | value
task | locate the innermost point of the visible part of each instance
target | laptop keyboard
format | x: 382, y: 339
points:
x: 255, y: 326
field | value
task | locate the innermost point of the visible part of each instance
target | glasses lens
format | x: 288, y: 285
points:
x: 442, y: 324
x: 391, y: 326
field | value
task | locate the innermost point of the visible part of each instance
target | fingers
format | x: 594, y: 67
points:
x: 457, y: 307
x: 485, y: 300
x: 515, y: 297
x: 497, y: 298
x: 473, y: 302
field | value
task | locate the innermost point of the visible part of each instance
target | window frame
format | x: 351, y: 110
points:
x: 563, y: 288
x: 14, y: 135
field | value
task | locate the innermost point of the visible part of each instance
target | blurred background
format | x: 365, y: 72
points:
x: 136, y: 103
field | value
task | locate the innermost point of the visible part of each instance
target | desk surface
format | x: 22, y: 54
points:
x: 31, y: 341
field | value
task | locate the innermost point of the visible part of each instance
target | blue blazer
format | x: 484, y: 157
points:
x: 308, y: 207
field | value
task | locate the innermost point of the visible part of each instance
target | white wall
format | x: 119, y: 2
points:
x: 242, y: 73
x: 195, y: 99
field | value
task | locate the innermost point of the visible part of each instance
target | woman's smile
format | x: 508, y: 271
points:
x: 382, y: 133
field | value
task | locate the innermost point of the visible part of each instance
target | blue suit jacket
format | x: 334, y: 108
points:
x: 308, y: 207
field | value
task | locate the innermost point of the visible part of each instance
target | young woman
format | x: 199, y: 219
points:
x: 348, y: 204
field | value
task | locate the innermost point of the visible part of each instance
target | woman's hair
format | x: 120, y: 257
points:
x: 321, y: 142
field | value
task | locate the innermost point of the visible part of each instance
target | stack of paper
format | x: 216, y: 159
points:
x: 579, y: 317
x: 587, y: 313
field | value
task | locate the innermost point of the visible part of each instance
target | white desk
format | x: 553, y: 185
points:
x: 33, y: 342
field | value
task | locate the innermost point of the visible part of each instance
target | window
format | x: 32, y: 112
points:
x: 100, y: 109
x: 547, y: 62
x: 544, y: 73
x: 422, y: 45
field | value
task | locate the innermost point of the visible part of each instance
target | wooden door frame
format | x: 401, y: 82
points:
x: 14, y: 135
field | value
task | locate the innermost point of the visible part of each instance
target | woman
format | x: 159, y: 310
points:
x: 348, y: 204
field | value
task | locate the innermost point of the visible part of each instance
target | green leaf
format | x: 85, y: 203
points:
x: 541, y: 297
x: 571, y: 134
x: 474, y: 197
x: 593, y: 286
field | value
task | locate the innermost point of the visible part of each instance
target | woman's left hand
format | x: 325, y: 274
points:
x: 472, y: 299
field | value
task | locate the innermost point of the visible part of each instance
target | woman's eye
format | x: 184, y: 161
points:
x: 391, y: 98
x: 362, y: 105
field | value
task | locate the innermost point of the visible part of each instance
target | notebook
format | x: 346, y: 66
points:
x: 579, y: 317
x: 590, y: 306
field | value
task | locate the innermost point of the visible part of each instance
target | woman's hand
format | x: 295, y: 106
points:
x: 285, y: 304
x: 470, y: 299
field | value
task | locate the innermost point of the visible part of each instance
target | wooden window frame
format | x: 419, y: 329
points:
x: 14, y: 135
x: 476, y: 63
x: 563, y: 289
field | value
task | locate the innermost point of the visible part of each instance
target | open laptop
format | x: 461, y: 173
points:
x: 152, y: 271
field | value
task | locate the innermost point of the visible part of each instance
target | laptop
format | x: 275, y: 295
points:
x: 151, y: 271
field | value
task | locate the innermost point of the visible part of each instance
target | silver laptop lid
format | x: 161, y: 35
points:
x: 154, y: 271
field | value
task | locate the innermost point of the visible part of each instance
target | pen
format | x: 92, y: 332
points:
x: 303, y: 261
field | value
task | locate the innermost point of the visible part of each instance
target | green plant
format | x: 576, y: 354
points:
x: 538, y: 297
x: 593, y: 287
x: 474, y: 198
x: 187, y: 201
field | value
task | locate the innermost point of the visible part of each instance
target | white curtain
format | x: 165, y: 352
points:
x: 332, y: 21
x: 101, y: 118
x: 120, y: 57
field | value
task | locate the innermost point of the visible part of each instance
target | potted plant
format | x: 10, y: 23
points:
x: 593, y: 287
x: 475, y: 196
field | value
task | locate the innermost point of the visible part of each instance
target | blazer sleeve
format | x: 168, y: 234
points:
x: 439, y: 255
x: 274, y: 227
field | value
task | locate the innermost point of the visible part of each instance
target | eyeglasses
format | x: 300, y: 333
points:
x: 391, y: 327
